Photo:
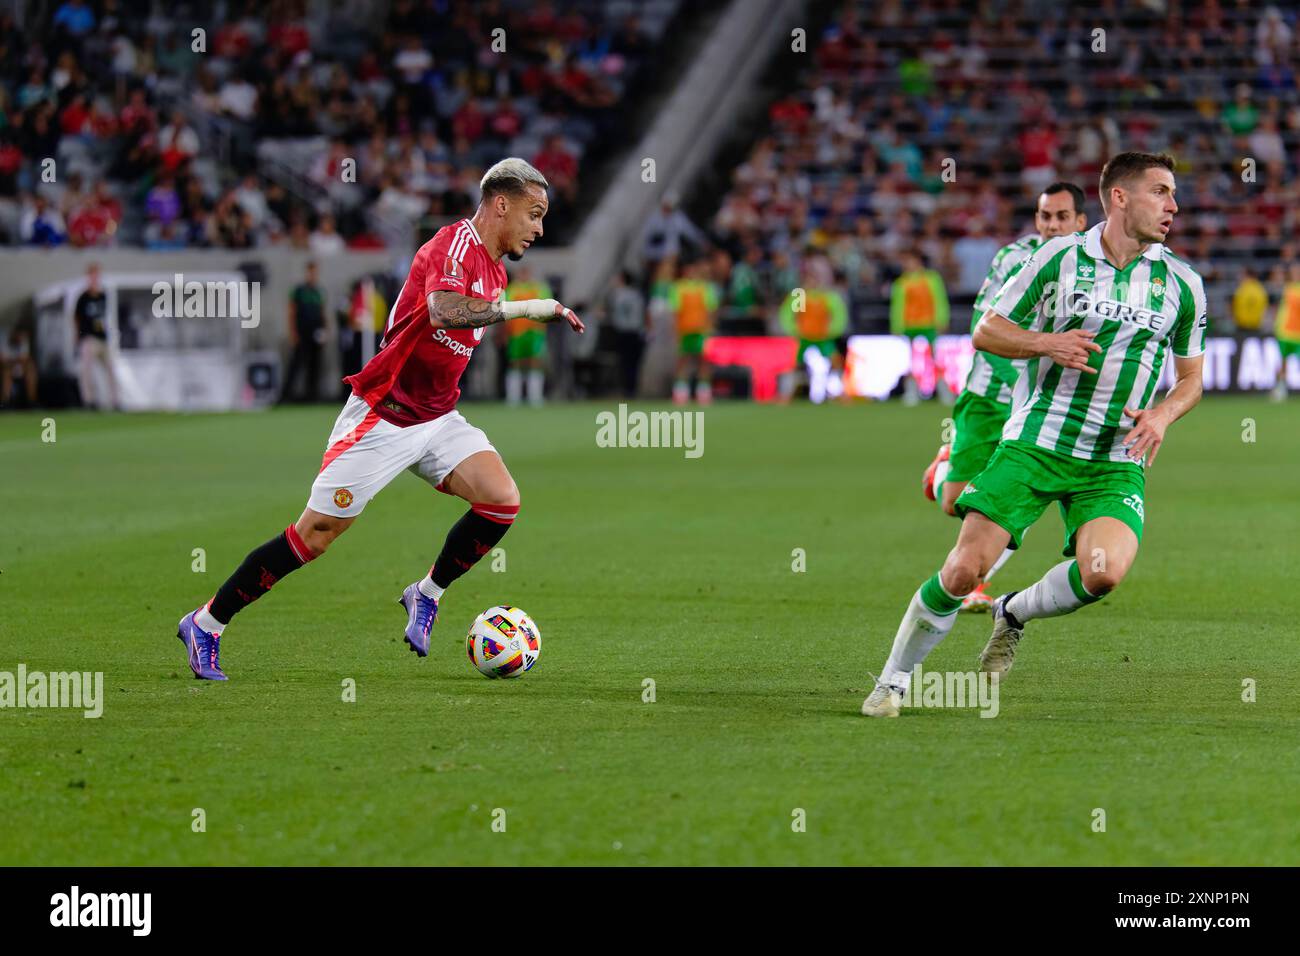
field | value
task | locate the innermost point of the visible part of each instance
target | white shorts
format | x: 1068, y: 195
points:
x: 365, y: 453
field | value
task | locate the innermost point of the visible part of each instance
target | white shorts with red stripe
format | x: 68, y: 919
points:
x: 365, y: 453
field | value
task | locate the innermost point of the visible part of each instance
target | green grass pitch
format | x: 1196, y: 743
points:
x: 636, y: 564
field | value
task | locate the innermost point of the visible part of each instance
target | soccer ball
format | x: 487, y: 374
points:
x: 503, y: 641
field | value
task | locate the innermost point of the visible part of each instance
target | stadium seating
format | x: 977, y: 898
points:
x: 849, y: 162
x: 156, y: 129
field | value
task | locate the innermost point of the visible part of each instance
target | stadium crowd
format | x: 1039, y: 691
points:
x: 236, y: 132
x: 919, y: 127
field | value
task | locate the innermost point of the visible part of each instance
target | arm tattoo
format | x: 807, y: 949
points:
x: 455, y: 311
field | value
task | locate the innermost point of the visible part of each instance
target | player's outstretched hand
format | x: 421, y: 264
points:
x: 541, y: 310
x: 569, y: 316
x: 1146, y: 435
x: 1072, y: 349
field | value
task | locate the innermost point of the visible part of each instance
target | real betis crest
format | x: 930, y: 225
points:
x: 1157, y: 286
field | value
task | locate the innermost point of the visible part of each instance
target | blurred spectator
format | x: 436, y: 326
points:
x: 42, y: 224
x: 76, y: 17
x: 93, y: 355
x: 238, y: 98
x: 973, y: 252
x: 559, y: 167
x: 94, y: 221
x: 325, y: 240
x: 665, y: 231
x: 177, y: 141
x: 1241, y: 115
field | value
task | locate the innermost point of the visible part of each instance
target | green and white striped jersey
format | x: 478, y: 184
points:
x: 1136, y: 313
x: 992, y: 376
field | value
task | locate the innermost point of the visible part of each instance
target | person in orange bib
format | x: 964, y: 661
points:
x: 693, y: 300
x: 1287, y: 327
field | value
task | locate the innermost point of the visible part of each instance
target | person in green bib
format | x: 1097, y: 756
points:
x: 1094, y: 316
x: 984, y: 405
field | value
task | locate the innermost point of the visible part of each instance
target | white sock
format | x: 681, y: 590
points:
x: 536, y: 381
x: 204, y: 619
x: 1050, y: 596
x: 936, y: 482
x: 1002, y: 559
x: 919, y: 633
x: 429, y: 589
x: 514, y: 386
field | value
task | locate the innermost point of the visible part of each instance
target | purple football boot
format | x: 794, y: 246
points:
x: 420, y: 614
x: 204, y: 648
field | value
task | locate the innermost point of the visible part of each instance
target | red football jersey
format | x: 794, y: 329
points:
x: 415, y: 375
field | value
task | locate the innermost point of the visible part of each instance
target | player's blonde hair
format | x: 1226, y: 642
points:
x: 511, y: 176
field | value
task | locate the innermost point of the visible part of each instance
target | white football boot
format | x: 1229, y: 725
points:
x: 885, y: 700
x: 1000, y: 652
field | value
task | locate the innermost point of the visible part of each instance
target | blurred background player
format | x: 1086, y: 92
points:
x: 525, y: 342
x: 693, y: 300
x: 1286, y: 328
x: 817, y: 316
x: 984, y: 404
x: 918, y: 308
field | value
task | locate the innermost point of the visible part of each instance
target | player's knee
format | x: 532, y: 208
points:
x: 503, y: 492
x: 319, y: 531
x: 1101, y: 582
x: 961, y: 572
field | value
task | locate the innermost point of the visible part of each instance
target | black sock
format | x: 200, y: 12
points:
x: 264, y: 566
x: 1006, y: 612
x: 473, y: 536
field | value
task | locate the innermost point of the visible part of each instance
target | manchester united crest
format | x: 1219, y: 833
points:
x: 343, y: 497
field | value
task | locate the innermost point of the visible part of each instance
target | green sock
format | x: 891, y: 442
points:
x: 936, y: 597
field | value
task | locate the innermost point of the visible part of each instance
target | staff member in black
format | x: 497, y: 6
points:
x: 91, y: 316
x: 306, y: 336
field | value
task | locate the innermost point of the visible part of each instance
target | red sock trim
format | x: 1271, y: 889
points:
x: 501, y: 514
x: 297, y: 545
